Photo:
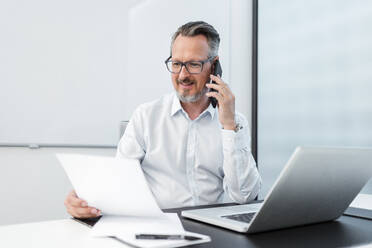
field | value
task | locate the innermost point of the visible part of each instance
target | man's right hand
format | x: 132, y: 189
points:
x: 79, y: 208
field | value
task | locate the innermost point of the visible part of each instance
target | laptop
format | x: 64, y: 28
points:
x: 316, y: 185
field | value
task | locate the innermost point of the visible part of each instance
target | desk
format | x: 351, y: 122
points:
x: 65, y: 233
x: 344, y: 232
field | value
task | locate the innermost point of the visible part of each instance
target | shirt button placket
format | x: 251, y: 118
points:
x: 191, y: 160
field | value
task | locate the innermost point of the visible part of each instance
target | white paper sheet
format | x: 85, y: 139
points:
x: 165, y: 243
x: 362, y: 201
x: 124, y: 228
x: 115, y: 186
x: 129, y: 226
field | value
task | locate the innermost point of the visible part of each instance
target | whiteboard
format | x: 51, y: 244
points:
x: 65, y: 76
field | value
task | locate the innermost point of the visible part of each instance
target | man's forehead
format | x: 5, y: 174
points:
x: 195, y: 47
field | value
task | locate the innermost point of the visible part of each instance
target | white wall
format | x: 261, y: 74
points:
x: 62, y: 71
x: 70, y: 71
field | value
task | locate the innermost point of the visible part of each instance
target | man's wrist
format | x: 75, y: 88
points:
x: 231, y: 126
x: 236, y: 127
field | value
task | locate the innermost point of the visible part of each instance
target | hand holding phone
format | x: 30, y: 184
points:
x: 219, y: 92
x: 217, y: 70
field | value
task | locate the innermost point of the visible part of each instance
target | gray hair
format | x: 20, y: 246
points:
x: 191, y: 29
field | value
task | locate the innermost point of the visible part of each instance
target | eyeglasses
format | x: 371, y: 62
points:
x: 193, y: 67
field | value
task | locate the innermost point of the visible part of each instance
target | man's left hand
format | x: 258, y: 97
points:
x: 226, y: 102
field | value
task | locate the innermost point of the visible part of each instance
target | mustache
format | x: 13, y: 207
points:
x: 186, y: 80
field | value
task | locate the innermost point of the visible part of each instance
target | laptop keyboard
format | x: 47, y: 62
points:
x: 246, y: 217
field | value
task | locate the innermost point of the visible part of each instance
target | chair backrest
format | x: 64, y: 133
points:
x: 122, y: 127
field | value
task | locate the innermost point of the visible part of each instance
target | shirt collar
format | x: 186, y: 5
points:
x: 210, y: 110
x: 176, y: 106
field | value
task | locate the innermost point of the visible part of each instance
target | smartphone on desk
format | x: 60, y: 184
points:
x: 87, y: 221
x: 217, y: 70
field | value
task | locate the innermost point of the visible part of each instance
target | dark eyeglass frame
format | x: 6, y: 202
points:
x: 184, y: 64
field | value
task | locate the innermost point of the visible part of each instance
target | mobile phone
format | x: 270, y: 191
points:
x: 217, y: 70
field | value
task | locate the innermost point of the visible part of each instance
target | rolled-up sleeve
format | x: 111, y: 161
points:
x: 242, y: 181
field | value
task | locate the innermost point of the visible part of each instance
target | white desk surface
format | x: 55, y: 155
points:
x: 65, y: 233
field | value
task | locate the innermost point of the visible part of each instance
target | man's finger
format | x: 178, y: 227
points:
x: 76, y: 215
x: 215, y: 95
x: 218, y: 80
x: 222, y: 89
x: 216, y: 87
x: 73, y: 200
x: 88, y: 212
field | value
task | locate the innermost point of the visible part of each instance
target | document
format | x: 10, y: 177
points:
x: 125, y: 229
x: 363, y: 201
x: 115, y: 186
x: 118, y: 188
x: 165, y: 243
x: 361, y: 206
x: 129, y: 226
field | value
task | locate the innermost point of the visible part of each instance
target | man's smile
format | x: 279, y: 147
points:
x: 186, y: 84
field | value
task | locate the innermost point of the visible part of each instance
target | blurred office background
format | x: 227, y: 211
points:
x: 314, y: 78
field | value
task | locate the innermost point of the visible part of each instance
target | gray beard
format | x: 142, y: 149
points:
x: 193, y: 98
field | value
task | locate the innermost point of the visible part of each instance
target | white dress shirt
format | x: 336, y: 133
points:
x: 190, y: 162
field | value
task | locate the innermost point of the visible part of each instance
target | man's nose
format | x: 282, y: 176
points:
x: 183, y: 73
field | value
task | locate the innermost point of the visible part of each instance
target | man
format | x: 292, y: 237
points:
x: 190, y: 152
